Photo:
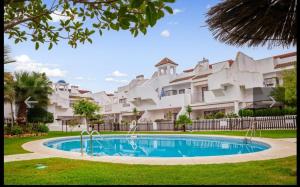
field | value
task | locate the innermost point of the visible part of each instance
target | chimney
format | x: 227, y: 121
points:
x: 140, y: 77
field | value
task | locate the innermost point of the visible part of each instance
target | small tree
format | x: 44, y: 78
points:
x: 96, y: 120
x: 86, y: 109
x: 183, y: 120
x: 189, y: 110
x: 73, y: 123
x: 135, y: 113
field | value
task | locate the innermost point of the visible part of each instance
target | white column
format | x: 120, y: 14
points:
x: 236, y: 107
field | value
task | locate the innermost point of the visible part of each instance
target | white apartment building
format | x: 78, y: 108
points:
x: 224, y: 86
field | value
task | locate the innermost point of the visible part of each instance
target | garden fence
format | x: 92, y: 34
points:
x: 242, y: 123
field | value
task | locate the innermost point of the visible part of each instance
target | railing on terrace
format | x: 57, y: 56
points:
x: 264, y: 123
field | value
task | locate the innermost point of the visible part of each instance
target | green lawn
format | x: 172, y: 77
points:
x: 67, y: 171
x: 13, y: 145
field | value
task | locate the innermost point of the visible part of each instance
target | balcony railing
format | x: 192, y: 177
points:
x: 126, y: 105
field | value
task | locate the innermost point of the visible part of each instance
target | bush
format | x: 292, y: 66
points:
x: 231, y: 115
x: 16, y: 130
x: 268, y: 112
x: 38, y: 114
x: 7, y: 129
x: 219, y: 115
x: 40, y: 128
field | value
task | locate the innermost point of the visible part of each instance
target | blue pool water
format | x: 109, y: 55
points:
x: 158, y: 146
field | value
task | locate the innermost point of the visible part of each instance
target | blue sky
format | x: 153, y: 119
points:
x: 117, y: 57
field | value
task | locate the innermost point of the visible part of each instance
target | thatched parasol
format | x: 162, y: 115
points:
x: 254, y: 22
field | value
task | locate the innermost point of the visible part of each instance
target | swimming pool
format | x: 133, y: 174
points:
x: 158, y: 146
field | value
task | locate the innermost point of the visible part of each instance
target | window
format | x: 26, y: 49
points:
x: 182, y: 91
x: 122, y: 100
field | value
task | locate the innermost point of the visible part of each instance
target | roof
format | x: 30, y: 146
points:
x: 165, y: 61
x: 201, y: 76
x: 61, y: 81
x: 181, y: 79
x: 83, y: 91
x: 284, y: 64
x: 286, y: 55
x: 188, y: 70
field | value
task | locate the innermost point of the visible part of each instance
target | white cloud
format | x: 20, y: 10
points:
x: 177, y: 10
x: 165, y: 33
x: 25, y: 63
x: 110, y: 79
x: 56, y: 16
x: 208, y: 6
x: 118, y: 74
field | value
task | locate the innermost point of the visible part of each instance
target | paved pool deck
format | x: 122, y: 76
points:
x: 279, y: 148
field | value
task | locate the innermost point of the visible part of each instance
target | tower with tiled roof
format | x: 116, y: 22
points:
x: 166, y: 67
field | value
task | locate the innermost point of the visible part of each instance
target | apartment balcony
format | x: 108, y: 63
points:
x: 197, y: 97
x: 175, y: 100
x: 59, y: 101
x: 142, y: 93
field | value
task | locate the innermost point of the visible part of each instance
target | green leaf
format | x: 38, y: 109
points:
x: 136, y: 3
x: 169, y: 9
x: 50, y: 46
x: 151, y: 14
x: 90, y: 40
x: 37, y: 45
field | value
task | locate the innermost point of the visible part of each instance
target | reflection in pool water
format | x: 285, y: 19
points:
x: 159, y: 146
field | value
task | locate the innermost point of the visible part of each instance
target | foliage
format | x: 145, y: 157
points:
x: 183, y: 120
x: 231, y: 115
x: 216, y: 115
x: 16, y: 130
x: 78, y: 19
x: 40, y: 127
x: 97, y: 119
x: 268, y: 112
x: 7, y: 58
x: 38, y: 114
x: 34, y: 85
x: 9, y: 91
x: 85, y: 108
x: 287, y: 93
x: 189, y: 110
x: 253, y: 23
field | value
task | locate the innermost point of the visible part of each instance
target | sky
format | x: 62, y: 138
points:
x: 116, y: 57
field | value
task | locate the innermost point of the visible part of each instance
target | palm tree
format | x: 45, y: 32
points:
x: 34, y: 85
x: 189, y: 110
x: 7, y: 58
x: 135, y: 113
x: 9, y: 92
x: 253, y: 23
x: 184, y: 120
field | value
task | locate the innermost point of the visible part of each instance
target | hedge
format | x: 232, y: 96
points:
x: 268, y: 112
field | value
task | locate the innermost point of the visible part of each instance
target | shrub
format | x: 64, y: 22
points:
x: 41, y: 128
x: 7, y: 130
x: 16, y: 130
x: 219, y: 115
x: 231, y: 115
x: 268, y: 112
x: 28, y: 128
x: 290, y: 111
x: 38, y: 114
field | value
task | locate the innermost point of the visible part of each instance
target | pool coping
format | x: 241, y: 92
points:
x: 278, y: 149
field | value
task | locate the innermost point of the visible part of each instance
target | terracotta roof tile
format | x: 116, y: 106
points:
x: 181, y: 79
x: 188, y: 70
x: 165, y: 61
x: 230, y: 62
x: 284, y: 65
x: 286, y: 55
x: 83, y: 91
x: 201, y: 76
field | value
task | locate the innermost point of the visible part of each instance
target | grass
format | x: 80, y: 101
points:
x: 67, y: 171
x: 13, y: 145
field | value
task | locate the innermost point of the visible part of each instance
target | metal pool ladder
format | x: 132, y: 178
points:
x: 133, y: 129
x: 91, y: 140
x: 252, y: 130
